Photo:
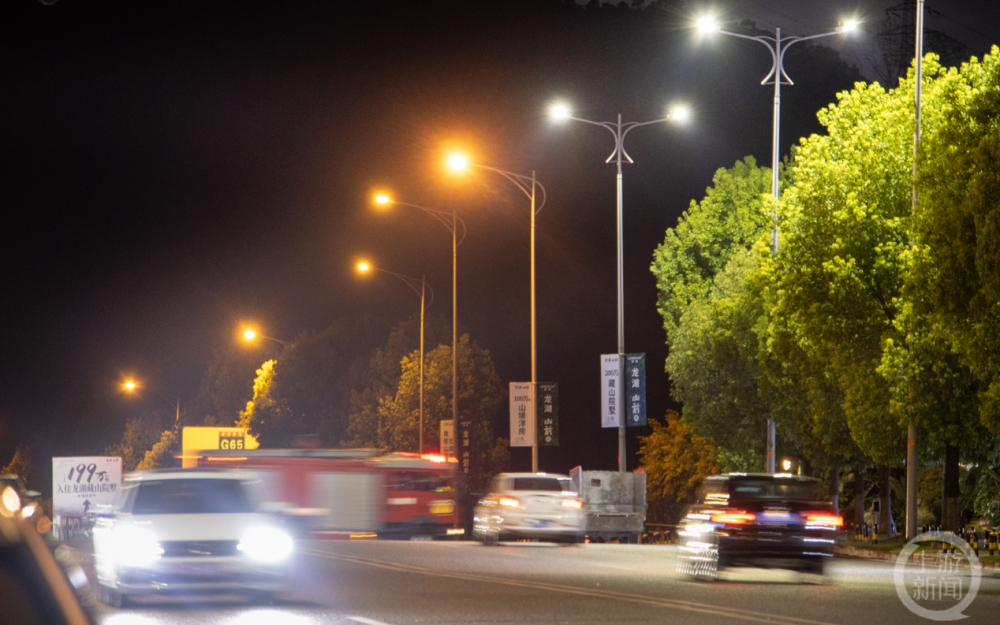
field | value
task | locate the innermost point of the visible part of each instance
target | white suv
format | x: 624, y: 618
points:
x: 541, y: 506
x: 185, y: 530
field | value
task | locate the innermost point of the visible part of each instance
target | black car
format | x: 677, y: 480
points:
x: 761, y: 520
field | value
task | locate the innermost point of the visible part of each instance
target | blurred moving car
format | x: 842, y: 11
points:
x: 30, y: 500
x: 33, y: 586
x: 762, y: 520
x: 541, y: 506
x: 189, y: 530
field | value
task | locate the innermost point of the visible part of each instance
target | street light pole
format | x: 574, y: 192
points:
x: 452, y: 222
x: 619, y: 130
x: 412, y: 283
x: 527, y: 185
x: 777, y: 47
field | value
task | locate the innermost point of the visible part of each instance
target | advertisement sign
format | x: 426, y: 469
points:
x: 521, y: 413
x: 448, y: 437
x: 610, y: 391
x: 196, y: 439
x: 81, y: 483
x: 548, y: 414
x: 635, y: 389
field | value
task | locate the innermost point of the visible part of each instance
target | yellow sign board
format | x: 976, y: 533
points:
x: 196, y: 439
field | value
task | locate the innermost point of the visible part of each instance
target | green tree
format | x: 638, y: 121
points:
x: 261, y: 404
x: 675, y: 460
x: 20, y: 463
x: 732, y: 216
x: 480, y: 401
x: 162, y: 453
x: 225, y: 387
x: 140, y: 434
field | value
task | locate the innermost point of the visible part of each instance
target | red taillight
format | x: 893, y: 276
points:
x: 509, y: 502
x: 733, y: 517
x: 823, y: 519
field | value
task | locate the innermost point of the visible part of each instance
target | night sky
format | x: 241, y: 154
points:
x: 172, y: 169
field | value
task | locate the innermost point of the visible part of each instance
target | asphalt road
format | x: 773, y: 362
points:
x: 403, y: 583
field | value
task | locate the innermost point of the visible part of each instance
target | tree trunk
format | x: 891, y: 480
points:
x: 885, y: 498
x: 835, y: 487
x: 950, y: 513
x: 859, y: 496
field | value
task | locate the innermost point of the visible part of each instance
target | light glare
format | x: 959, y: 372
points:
x: 249, y: 334
x: 364, y: 266
x: 707, y: 25
x: 560, y: 111
x: 458, y: 162
x: 129, y: 385
x: 679, y: 113
x: 848, y: 27
x: 382, y: 198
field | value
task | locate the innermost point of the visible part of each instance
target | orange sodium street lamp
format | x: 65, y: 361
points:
x: 365, y: 267
x: 451, y: 221
x: 459, y: 163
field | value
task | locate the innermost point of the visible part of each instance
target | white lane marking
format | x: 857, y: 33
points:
x: 366, y: 621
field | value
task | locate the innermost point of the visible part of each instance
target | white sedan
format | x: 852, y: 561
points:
x: 537, y: 506
x: 186, y: 530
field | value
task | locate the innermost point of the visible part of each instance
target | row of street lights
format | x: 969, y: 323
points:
x: 778, y: 46
x: 529, y: 185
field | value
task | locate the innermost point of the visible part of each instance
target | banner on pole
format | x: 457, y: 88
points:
x: 448, y: 437
x: 635, y: 389
x: 521, y: 413
x: 610, y: 391
x: 548, y: 414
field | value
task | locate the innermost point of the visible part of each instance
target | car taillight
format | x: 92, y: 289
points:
x: 572, y: 503
x: 510, y: 502
x: 823, y: 519
x: 733, y: 517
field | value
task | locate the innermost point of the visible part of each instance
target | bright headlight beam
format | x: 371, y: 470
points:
x: 266, y: 544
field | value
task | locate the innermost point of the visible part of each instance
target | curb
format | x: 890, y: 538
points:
x: 872, y: 554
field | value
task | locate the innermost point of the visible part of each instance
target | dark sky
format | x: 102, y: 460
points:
x: 173, y: 168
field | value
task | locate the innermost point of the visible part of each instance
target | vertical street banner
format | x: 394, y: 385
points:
x: 465, y: 443
x: 610, y: 391
x: 635, y: 389
x: 81, y: 483
x: 521, y: 413
x: 448, y: 437
x: 547, y: 416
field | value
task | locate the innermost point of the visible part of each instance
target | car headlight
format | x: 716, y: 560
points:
x: 133, y: 546
x: 266, y: 544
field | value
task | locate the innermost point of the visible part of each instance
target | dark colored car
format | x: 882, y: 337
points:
x: 34, y: 588
x: 761, y: 520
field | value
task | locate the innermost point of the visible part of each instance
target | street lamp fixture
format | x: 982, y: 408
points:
x: 250, y: 335
x: 528, y: 186
x: 451, y: 221
x: 777, y: 46
x: 420, y: 287
x: 132, y: 387
x: 676, y: 114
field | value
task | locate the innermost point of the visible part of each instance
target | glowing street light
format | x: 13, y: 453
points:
x: 452, y: 222
x: 420, y: 287
x: 777, y: 46
x: 132, y: 387
x: 250, y: 335
x: 460, y: 163
x: 561, y: 112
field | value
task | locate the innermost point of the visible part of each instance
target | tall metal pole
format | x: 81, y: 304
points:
x: 770, y: 464
x: 534, y: 344
x: 423, y: 290
x: 911, y: 427
x: 777, y: 47
x: 620, y: 397
x: 454, y: 338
